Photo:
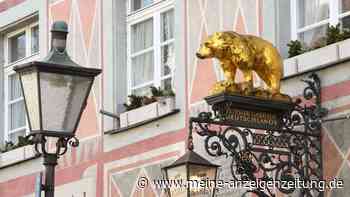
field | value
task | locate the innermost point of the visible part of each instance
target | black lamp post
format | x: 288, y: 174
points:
x: 192, y: 169
x: 55, y: 92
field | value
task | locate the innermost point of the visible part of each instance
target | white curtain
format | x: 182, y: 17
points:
x: 312, y: 11
x: 17, y: 47
x: 16, y: 109
x: 167, y: 25
x: 168, y: 55
x: 142, y: 68
x: 142, y: 35
x: 142, y: 64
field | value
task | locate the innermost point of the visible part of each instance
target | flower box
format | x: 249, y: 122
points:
x: 166, y: 105
x: 29, y: 151
x: 12, y: 156
x: 344, y: 49
x: 290, y: 66
x: 319, y: 57
x: 162, y: 106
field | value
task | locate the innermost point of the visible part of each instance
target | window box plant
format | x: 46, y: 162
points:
x: 143, y: 108
x: 325, y: 51
x: 12, y: 153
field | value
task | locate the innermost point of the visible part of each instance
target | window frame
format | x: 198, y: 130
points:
x: 334, y: 18
x: 154, y: 11
x: 8, y: 72
x: 129, y: 6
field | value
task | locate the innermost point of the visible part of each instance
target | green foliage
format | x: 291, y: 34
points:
x: 333, y: 34
x: 134, y: 102
x: 295, y: 48
x: 169, y: 92
x: 139, y: 101
x: 158, y: 92
x: 22, y: 141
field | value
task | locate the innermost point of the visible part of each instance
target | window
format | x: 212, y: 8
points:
x: 16, y: 111
x: 312, y: 17
x: 151, y: 51
x: 139, y: 4
x: 20, y: 46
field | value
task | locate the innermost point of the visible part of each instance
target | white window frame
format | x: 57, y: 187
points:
x: 8, y: 72
x: 335, y: 16
x: 130, y: 11
x: 154, y: 11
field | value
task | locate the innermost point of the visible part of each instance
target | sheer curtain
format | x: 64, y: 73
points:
x: 16, y: 108
x: 312, y: 12
x: 167, y: 25
x: 168, y: 58
x: 142, y: 61
x: 17, y: 47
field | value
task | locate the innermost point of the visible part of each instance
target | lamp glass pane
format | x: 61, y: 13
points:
x: 29, y: 81
x: 202, y: 179
x: 177, y: 175
x: 62, y: 97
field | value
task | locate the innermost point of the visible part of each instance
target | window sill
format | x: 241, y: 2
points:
x: 316, y: 59
x: 146, y: 114
x: 17, y: 155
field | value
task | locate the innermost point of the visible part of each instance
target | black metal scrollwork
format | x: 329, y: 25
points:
x: 290, y: 153
x: 40, y: 144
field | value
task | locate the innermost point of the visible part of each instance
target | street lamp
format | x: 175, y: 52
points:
x: 55, y: 93
x: 197, y: 175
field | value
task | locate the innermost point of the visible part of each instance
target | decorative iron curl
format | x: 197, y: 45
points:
x: 39, y: 141
x: 307, y: 115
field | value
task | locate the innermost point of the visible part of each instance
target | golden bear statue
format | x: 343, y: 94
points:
x: 247, y: 53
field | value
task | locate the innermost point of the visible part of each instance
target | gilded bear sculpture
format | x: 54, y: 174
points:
x: 247, y: 53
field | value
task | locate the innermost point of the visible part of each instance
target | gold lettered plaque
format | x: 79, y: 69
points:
x: 246, y: 111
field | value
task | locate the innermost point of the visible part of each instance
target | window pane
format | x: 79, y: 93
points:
x: 17, y: 47
x: 144, y: 91
x: 344, y: 5
x: 346, y: 22
x: 35, y: 39
x: 313, y: 36
x: 142, y: 35
x: 17, y: 115
x: 142, y: 68
x: 167, y: 84
x: 312, y: 11
x: 13, y: 137
x: 138, y: 4
x: 167, y: 25
x: 168, y: 59
x: 14, y: 87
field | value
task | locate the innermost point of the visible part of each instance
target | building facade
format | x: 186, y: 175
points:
x: 144, y: 43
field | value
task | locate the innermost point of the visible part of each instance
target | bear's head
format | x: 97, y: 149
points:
x: 217, y: 45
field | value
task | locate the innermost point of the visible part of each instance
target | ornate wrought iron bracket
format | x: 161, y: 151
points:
x: 51, y: 156
x: 280, y: 144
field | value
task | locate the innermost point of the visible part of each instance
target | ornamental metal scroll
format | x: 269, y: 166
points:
x: 286, y: 153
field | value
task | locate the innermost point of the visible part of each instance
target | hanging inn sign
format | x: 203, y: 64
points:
x: 262, y: 133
